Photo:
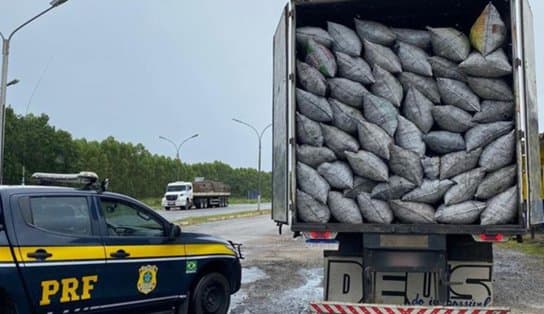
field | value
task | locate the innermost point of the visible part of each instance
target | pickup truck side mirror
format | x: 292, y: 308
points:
x: 175, y: 231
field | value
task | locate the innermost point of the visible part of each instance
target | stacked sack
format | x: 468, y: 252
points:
x: 403, y: 125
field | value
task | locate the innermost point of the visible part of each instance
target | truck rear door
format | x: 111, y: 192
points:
x: 280, y: 127
x: 536, y: 213
x: 59, y: 251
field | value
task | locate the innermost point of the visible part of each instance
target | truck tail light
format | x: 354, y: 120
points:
x: 320, y: 236
x: 499, y: 237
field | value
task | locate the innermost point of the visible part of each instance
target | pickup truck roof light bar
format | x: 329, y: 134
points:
x: 86, y: 178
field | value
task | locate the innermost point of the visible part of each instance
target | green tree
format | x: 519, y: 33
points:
x: 33, y: 143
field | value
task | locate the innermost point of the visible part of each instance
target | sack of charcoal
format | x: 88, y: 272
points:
x: 407, y: 126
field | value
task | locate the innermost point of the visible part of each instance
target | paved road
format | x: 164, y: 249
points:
x: 174, y: 215
x: 282, y: 274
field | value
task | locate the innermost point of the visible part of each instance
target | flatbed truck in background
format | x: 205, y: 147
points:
x: 200, y: 193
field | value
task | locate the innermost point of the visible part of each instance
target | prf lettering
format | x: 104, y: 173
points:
x: 68, y: 289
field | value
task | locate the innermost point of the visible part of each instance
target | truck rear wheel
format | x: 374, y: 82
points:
x: 211, y: 295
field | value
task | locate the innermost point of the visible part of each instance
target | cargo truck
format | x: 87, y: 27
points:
x: 200, y: 193
x: 407, y: 268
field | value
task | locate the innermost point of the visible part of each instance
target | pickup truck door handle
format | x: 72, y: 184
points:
x: 120, y: 254
x: 40, y: 254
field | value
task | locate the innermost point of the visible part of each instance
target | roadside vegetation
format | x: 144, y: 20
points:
x: 32, y: 142
x: 211, y: 218
x: 155, y: 202
x: 529, y: 246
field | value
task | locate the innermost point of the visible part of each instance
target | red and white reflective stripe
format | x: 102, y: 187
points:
x: 349, y: 308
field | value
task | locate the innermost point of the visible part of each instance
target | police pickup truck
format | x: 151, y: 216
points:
x: 79, y: 250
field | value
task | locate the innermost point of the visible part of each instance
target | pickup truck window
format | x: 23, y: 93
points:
x: 127, y: 220
x: 67, y: 215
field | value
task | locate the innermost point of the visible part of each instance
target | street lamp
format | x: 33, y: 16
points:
x: 12, y: 82
x: 260, y: 138
x: 178, y: 147
x: 4, y: 83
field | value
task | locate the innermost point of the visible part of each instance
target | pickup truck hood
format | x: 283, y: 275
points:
x: 201, y: 238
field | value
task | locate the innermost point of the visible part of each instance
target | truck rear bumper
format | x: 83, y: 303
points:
x: 351, y: 308
x: 410, y: 228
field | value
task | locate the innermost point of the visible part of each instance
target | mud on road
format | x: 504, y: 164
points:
x: 282, y: 274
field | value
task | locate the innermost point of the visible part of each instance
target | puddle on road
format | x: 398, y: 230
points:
x: 295, y: 300
x: 237, y: 299
x: 249, y: 275
x: 312, y: 289
x: 252, y: 274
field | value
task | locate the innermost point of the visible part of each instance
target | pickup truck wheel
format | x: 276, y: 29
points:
x: 211, y: 295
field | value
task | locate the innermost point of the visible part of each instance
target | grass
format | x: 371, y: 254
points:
x: 211, y: 218
x: 155, y: 202
x: 243, y: 200
x: 531, y: 247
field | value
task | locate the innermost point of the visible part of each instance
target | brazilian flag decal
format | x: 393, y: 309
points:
x: 191, y: 267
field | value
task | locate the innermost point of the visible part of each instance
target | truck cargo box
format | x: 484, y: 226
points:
x: 209, y: 186
x: 414, y: 14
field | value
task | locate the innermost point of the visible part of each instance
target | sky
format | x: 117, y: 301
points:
x: 140, y: 69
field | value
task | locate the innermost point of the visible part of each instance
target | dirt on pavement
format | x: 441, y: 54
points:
x: 282, y: 274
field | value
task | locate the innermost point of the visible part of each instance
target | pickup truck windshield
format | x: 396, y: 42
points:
x: 176, y: 188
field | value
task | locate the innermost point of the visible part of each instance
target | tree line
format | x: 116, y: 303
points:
x: 31, y: 142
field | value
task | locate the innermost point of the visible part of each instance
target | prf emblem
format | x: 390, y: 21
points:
x: 148, y: 279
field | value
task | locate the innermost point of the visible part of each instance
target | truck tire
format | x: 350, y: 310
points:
x: 211, y: 295
x: 166, y: 208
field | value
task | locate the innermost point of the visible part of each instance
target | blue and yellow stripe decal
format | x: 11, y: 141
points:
x: 74, y: 255
x: 63, y: 253
x: 6, y: 259
x: 208, y: 249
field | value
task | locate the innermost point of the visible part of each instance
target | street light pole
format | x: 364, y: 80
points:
x: 4, y: 79
x: 177, y: 148
x: 260, y: 138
